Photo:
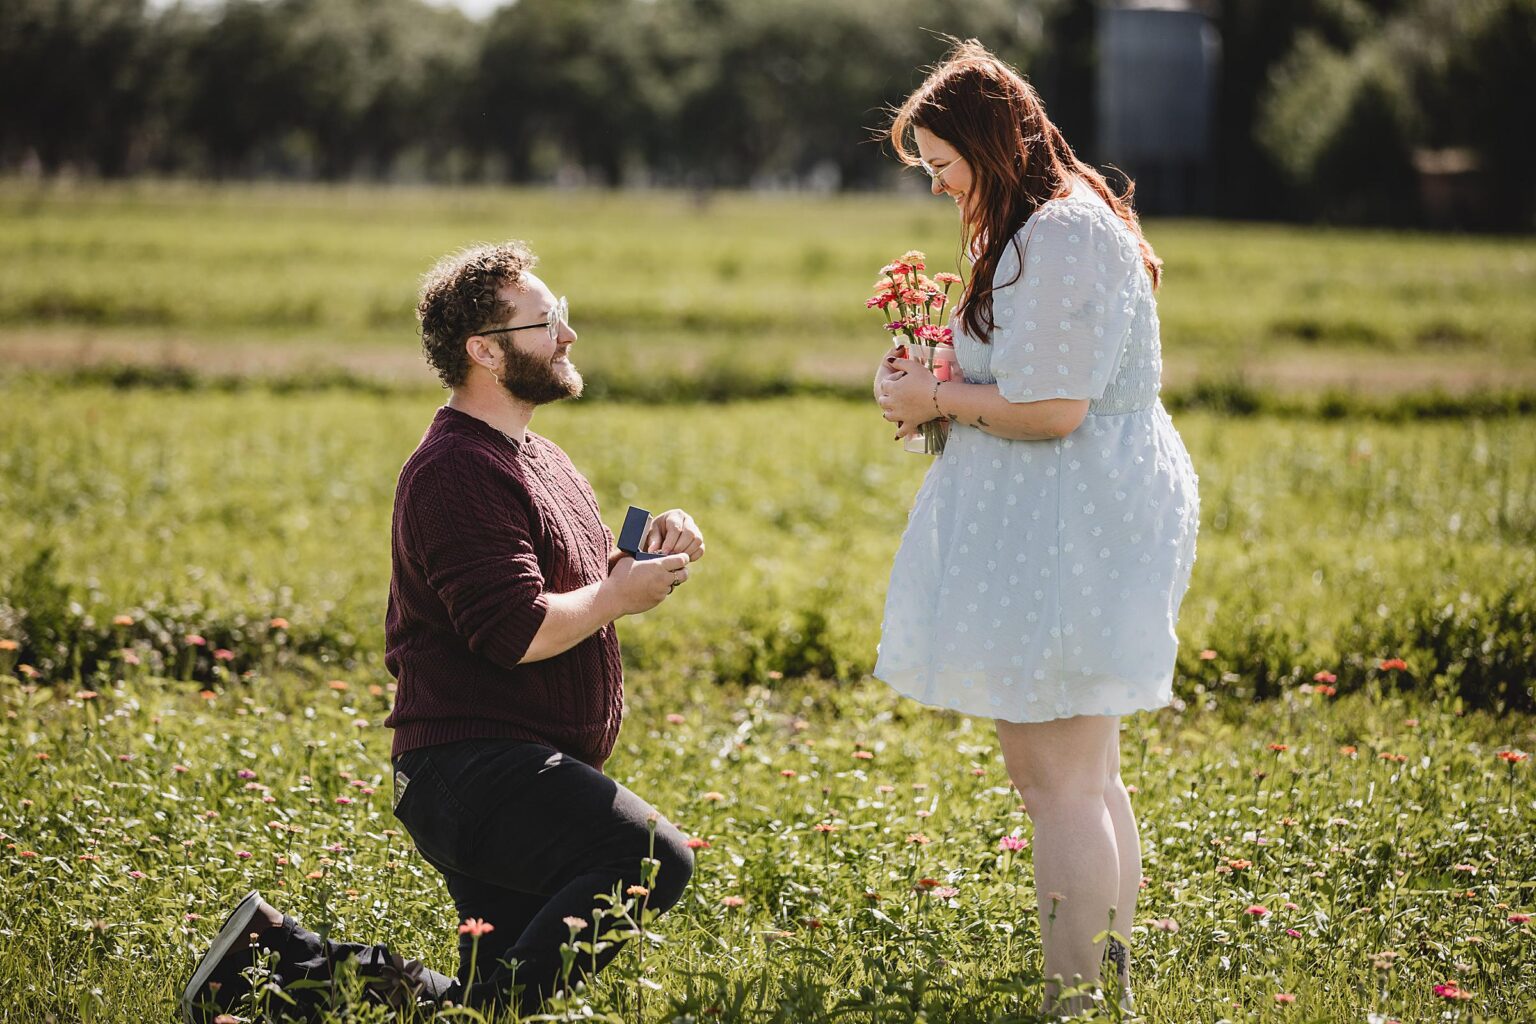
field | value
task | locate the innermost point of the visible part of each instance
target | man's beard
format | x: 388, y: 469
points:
x: 536, y: 380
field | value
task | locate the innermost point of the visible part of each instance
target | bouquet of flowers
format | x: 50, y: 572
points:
x: 911, y: 302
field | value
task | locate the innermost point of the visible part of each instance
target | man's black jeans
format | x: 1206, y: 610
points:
x: 526, y: 838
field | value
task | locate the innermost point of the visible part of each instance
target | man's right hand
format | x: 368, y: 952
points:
x: 636, y: 587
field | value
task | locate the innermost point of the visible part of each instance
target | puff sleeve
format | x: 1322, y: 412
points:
x: 1063, y: 321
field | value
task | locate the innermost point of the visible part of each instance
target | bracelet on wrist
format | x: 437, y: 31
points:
x: 936, y: 408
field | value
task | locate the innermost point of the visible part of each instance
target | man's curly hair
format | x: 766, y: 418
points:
x: 460, y: 296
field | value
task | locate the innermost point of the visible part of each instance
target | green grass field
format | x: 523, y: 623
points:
x: 1353, y: 846
x: 262, y: 279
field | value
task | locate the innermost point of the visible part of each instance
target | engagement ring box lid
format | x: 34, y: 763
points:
x: 635, y: 522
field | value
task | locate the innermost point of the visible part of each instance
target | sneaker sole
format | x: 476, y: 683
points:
x: 236, y: 926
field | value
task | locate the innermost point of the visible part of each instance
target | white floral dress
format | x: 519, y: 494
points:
x: 1039, y: 580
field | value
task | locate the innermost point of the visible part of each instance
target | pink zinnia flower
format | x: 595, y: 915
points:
x: 695, y: 843
x: 279, y: 623
x: 1257, y: 910
x: 1325, y: 677
x: 1013, y: 844
x: 195, y: 640
x: 1519, y: 918
x: 1284, y: 998
x: 477, y: 927
x: 864, y: 755
x: 122, y: 620
x: 731, y: 901
x: 1451, y: 990
x: 224, y: 654
x: 245, y: 773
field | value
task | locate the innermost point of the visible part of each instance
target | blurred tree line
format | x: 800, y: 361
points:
x: 1324, y: 107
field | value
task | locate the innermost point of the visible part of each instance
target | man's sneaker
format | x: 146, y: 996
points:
x: 217, y: 983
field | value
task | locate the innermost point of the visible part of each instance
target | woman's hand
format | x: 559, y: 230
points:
x: 884, y: 371
x: 906, y: 395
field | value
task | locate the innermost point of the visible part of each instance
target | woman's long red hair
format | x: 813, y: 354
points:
x: 1018, y: 160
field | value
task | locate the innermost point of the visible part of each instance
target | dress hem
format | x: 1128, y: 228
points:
x: 1045, y: 716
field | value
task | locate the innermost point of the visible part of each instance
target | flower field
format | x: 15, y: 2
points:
x: 1338, y: 815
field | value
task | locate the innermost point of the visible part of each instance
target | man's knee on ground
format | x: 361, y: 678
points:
x: 675, y: 871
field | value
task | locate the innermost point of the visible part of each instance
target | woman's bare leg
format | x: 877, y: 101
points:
x: 1061, y: 769
x: 1128, y: 843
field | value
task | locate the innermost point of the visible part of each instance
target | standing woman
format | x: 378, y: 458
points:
x: 1039, y: 578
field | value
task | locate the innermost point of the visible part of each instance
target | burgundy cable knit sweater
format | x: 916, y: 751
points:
x: 484, y: 529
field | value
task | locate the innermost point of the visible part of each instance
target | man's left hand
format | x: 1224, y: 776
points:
x: 674, y: 532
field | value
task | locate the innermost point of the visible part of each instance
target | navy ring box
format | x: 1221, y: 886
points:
x: 635, y: 522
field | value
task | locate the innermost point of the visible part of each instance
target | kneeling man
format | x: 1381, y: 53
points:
x: 504, y: 590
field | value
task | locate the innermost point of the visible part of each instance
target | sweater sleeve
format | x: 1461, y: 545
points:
x: 476, y: 549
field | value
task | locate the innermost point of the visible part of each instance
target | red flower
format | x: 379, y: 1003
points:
x: 1257, y: 910
x: 1207, y: 655
x: 1325, y: 677
x: 1451, y: 990
x: 476, y: 927
x: 1390, y: 664
x: 1512, y: 756
x: 695, y: 843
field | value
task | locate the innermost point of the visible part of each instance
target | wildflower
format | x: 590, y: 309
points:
x: 731, y: 901
x: 945, y: 892
x: 637, y: 890
x: 944, y: 277
x: 812, y: 923
x: 245, y: 773
x: 476, y: 927
x: 243, y: 854
x: 695, y: 843
x: 1512, y: 756
x: 207, y: 694
x: 1207, y: 655
x: 712, y: 797
x: 885, y: 789
x: 788, y: 773
x: 87, y: 695
x: 1325, y: 677
x: 1389, y: 756
x: 1257, y: 911
x: 1293, y: 933
x: 675, y: 719
x: 223, y: 654
x: 1348, y: 750
x: 195, y: 640
x: 27, y: 853
x: 339, y: 685
x: 359, y: 723
x: 863, y: 755
x: 1012, y: 844
x: 279, y: 623
x: 1519, y: 918
x: 1394, y: 664
x: 1279, y: 748
x: 42, y: 755
x: 1326, y: 691
x: 344, y: 800
x: 1469, y: 869
x: 1284, y: 998
x: 122, y: 620
x: 1165, y: 924
x: 924, y: 884
x: 825, y: 827
x: 129, y: 657
x: 574, y: 923
x: 1451, y: 990
x: 137, y: 875
x: 918, y: 838
x: 1239, y: 864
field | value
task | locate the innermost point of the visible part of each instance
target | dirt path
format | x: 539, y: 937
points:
x: 1287, y: 371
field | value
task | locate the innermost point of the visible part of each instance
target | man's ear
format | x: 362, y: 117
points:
x: 480, y: 351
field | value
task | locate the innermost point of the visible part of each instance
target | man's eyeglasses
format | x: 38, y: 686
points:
x: 559, y: 317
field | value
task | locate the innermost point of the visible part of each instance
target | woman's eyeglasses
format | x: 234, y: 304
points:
x: 559, y: 317
x: 936, y: 176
